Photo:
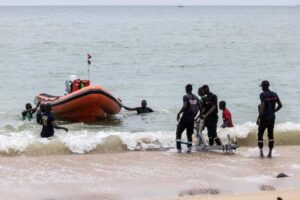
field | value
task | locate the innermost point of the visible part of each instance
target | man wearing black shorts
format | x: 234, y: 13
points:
x: 266, y: 117
x: 210, y: 115
x: 190, y: 108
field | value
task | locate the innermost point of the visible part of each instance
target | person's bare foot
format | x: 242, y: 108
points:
x: 261, y: 153
x: 270, y: 154
x: 189, y: 150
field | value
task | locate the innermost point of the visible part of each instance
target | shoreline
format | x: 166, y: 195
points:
x: 289, y: 194
x: 139, y: 175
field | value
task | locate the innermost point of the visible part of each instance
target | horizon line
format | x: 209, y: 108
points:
x: 156, y: 5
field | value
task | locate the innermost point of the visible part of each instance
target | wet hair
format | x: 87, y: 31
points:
x: 28, y: 106
x: 43, y: 107
x: 144, y: 102
x: 200, y: 91
x: 222, y: 104
x: 205, y: 87
x: 188, y: 88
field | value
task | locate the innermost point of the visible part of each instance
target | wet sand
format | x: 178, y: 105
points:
x: 146, y: 175
x: 270, y: 195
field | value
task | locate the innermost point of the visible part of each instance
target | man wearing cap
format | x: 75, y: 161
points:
x: 266, y: 117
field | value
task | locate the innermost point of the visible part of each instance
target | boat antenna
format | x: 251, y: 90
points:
x: 89, y: 57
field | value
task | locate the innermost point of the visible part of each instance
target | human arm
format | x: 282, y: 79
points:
x: 199, y: 114
x: 261, y: 109
x: 36, y: 107
x: 214, y: 101
x: 58, y: 127
x: 185, y: 103
x: 150, y: 110
x: 39, y: 117
x: 225, y: 124
x: 128, y: 108
x: 279, y: 104
x: 32, y: 110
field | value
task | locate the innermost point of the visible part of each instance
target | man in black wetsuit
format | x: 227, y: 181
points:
x: 48, y: 123
x: 190, y: 108
x: 210, y: 115
x: 140, y: 110
x: 266, y: 117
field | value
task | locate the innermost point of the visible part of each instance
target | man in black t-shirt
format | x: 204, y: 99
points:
x: 190, y: 109
x: 266, y: 117
x: 140, y: 110
x: 48, y: 122
x: 210, y: 116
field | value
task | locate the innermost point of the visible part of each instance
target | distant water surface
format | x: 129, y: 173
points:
x: 150, y: 53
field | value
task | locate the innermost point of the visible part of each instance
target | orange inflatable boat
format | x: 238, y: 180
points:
x: 85, y: 103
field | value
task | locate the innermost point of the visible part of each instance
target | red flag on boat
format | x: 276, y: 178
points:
x: 89, y: 57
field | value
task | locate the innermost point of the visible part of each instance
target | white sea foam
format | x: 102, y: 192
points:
x: 18, y: 139
x: 287, y: 127
x: 262, y: 179
x: 295, y: 166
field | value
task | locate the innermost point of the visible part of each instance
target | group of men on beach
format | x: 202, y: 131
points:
x: 206, y: 108
x: 193, y: 109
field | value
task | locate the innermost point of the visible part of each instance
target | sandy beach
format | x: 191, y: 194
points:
x: 270, y: 195
x: 149, y: 175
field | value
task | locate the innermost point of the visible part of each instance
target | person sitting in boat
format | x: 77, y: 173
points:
x: 48, y: 123
x: 81, y: 85
x: 140, y: 110
x: 27, y: 114
x: 69, y: 83
x: 69, y: 86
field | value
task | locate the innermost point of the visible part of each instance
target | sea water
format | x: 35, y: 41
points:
x: 146, y: 53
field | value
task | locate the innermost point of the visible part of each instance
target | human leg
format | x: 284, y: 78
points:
x: 189, y: 133
x: 180, y: 129
x: 260, y: 136
x: 271, y: 136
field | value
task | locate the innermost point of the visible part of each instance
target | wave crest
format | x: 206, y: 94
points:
x: 20, y: 140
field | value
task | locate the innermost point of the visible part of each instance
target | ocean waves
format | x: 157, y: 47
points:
x: 24, y: 139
